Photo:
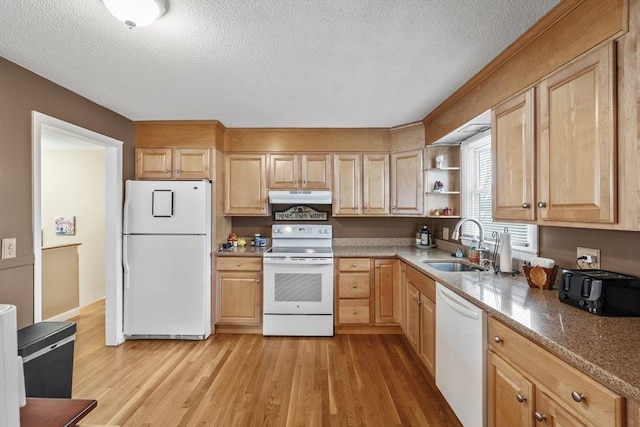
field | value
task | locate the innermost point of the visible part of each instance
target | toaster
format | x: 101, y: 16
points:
x: 601, y: 292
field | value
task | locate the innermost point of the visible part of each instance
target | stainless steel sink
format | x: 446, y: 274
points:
x: 457, y: 266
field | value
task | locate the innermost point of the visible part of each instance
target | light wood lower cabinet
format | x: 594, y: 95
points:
x: 239, y: 291
x: 353, y: 291
x: 387, y: 292
x: 421, y: 316
x: 513, y: 395
x: 528, y: 386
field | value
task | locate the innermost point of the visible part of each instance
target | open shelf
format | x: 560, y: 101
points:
x: 442, y: 164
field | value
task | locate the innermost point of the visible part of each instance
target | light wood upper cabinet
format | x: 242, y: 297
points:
x: 513, y: 152
x: 173, y: 163
x: 245, y: 185
x: 300, y: 171
x: 571, y: 175
x: 153, y: 163
x: 577, y: 178
x: 407, y: 189
x: 361, y: 184
x: 375, y: 184
x: 192, y: 163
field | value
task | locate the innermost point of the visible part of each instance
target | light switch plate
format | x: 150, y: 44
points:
x: 445, y: 233
x: 9, y: 248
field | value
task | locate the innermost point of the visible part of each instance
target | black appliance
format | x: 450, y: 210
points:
x: 601, y: 292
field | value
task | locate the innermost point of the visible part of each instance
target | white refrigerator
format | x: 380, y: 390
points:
x: 167, y: 259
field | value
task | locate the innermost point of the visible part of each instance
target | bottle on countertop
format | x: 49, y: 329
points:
x: 425, y: 236
x: 418, y: 238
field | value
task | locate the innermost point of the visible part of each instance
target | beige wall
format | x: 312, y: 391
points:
x: 73, y: 183
x: 22, y: 92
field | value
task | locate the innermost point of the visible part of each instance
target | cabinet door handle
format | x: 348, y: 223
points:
x: 355, y: 286
x: 521, y: 398
x: 542, y: 205
x: 526, y: 205
x: 539, y: 416
x: 498, y: 339
x: 354, y: 312
x: 167, y: 171
x: 257, y: 281
x: 418, y: 301
x: 393, y: 207
x: 577, y: 396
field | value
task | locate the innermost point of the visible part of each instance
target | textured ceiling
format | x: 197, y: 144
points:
x: 267, y: 63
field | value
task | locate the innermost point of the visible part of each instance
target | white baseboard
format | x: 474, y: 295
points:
x: 64, y: 316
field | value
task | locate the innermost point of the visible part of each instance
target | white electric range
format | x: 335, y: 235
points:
x: 298, y: 281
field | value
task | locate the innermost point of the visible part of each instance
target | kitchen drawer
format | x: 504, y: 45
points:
x: 422, y: 282
x: 354, y: 285
x: 600, y: 406
x: 351, y: 311
x: 239, y: 264
x: 354, y: 264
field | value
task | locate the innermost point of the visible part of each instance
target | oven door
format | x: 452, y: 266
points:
x: 298, y: 285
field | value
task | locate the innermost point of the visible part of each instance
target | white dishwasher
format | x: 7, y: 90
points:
x: 461, y: 334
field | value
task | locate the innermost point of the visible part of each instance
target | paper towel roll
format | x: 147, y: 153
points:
x: 505, y: 252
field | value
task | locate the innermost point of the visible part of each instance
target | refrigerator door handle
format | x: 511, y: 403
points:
x: 125, y: 260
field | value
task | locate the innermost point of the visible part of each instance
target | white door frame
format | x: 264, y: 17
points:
x: 113, y: 221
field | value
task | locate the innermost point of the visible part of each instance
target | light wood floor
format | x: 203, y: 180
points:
x: 251, y: 380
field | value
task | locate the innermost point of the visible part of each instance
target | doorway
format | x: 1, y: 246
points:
x: 112, y: 219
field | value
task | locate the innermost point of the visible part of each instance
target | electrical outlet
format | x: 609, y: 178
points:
x: 9, y: 248
x: 445, y: 233
x: 593, y: 262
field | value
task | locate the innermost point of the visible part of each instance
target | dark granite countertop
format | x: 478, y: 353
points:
x: 606, y: 348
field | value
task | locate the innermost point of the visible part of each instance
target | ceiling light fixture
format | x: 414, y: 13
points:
x: 137, y: 13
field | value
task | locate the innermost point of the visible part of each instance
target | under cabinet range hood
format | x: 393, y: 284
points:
x: 300, y: 196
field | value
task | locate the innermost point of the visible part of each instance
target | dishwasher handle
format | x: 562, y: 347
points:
x: 453, y: 302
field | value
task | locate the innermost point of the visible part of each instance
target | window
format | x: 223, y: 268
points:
x: 476, y: 200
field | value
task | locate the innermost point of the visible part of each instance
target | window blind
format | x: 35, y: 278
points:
x: 476, y: 198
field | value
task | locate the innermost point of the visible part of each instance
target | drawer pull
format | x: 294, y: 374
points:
x: 354, y: 265
x: 521, y: 398
x: 354, y: 312
x: 577, y: 396
x: 540, y: 417
x: 355, y: 286
x: 498, y: 339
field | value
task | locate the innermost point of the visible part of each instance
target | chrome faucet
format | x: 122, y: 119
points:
x: 456, y: 232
